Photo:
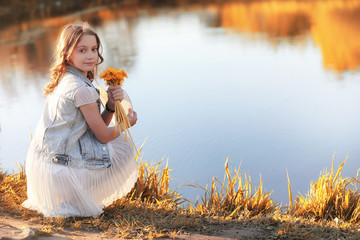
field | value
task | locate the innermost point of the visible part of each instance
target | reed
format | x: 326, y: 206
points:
x: 331, y: 197
x: 290, y: 192
x: 232, y: 198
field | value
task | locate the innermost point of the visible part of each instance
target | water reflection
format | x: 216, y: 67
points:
x: 333, y: 26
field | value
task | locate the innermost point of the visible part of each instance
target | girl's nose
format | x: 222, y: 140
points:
x: 92, y: 55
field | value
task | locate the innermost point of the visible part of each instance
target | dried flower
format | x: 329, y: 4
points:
x: 113, y: 76
x: 116, y: 77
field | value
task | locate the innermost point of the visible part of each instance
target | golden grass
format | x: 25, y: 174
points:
x: 13, y: 193
x: 232, y: 198
x: 153, y: 185
x: 331, y: 197
x: 152, y: 210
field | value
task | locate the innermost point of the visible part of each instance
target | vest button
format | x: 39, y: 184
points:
x: 104, y: 148
x: 56, y: 160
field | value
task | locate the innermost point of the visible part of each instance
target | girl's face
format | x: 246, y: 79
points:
x: 85, y: 55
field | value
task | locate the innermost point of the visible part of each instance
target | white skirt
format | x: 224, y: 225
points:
x: 56, y: 190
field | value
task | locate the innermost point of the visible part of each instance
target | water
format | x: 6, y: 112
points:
x: 272, y: 85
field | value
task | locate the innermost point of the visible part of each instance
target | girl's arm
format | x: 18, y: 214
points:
x: 107, y: 116
x: 97, y: 124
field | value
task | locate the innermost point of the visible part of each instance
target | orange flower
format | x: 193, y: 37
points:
x: 116, y: 77
x: 113, y: 76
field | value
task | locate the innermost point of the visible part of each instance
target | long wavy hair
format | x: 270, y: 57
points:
x: 66, y: 43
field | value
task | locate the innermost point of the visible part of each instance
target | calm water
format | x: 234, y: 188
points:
x: 273, y: 85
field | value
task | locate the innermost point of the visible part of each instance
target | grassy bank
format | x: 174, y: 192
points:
x: 330, y: 210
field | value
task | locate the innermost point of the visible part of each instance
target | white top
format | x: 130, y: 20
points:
x: 85, y: 95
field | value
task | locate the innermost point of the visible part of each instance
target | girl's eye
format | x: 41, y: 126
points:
x: 94, y: 49
x: 82, y: 50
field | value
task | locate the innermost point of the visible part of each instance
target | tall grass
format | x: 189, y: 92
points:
x: 233, y: 198
x: 152, y: 210
x: 12, y: 191
x: 331, y: 197
x: 153, y: 185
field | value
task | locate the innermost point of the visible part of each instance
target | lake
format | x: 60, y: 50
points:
x: 273, y: 85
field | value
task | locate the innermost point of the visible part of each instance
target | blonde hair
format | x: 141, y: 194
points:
x: 66, y: 43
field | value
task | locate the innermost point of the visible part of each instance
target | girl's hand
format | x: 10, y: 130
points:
x: 114, y: 93
x: 132, y: 115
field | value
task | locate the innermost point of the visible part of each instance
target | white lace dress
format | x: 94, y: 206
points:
x: 56, y: 190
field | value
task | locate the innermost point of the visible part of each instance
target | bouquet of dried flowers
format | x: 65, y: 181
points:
x: 116, y: 77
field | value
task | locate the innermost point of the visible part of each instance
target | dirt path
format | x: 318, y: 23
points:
x: 16, y: 229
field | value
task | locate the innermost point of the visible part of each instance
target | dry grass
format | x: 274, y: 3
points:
x: 331, y: 197
x: 153, y: 185
x: 232, y: 198
x: 151, y: 210
x: 12, y: 192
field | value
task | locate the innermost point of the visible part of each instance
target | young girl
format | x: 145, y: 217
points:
x: 76, y: 164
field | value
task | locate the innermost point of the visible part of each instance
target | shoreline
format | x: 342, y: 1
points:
x: 151, y: 210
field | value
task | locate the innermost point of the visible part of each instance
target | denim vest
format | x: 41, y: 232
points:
x: 62, y: 135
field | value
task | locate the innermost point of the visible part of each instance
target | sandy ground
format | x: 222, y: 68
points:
x: 11, y: 228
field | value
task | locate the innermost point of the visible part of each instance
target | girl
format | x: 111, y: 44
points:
x: 76, y: 165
